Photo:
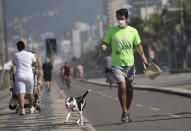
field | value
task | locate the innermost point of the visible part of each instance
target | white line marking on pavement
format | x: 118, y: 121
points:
x: 139, y: 105
x: 154, y: 109
x: 109, y: 96
x: 174, y: 115
x: 115, y: 99
x: 104, y: 95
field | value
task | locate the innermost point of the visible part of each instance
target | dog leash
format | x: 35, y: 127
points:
x: 99, y: 54
x: 83, y: 86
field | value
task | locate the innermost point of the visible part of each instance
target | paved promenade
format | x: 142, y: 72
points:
x: 51, y: 118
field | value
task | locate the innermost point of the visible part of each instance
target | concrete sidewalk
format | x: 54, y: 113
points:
x: 179, y: 84
x: 51, y: 118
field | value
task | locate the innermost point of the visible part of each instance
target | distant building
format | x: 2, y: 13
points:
x: 65, y: 48
x: 76, y: 38
x: 110, y: 7
x: 100, y: 27
x: 85, y: 37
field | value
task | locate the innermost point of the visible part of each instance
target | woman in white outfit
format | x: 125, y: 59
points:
x: 24, y: 79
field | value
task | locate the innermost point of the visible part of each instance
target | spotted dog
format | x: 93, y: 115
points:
x: 76, y: 104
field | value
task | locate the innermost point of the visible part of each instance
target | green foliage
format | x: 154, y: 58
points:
x: 187, y: 16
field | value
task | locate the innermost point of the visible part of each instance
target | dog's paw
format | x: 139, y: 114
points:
x: 65, y: 121
x: 81, y: 124
x: 77, y: 122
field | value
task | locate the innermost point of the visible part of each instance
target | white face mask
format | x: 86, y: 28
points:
x: 121, y: 23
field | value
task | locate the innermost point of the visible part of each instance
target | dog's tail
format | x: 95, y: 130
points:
x: 84, y: 95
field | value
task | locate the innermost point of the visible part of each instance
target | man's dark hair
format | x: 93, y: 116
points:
x: 20, y: 45
x: 123, y: 12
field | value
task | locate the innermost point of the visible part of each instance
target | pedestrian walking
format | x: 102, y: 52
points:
x: 80, y: 70
x: 122, y: 38
x: 24, y: 80
x: 47, y: 70
x: 38, y: 71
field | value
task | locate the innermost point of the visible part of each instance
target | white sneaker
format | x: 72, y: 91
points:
x: 31, y: 110
x: 22, y: 112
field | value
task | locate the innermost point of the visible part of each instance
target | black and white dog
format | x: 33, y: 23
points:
x: 76, y: 104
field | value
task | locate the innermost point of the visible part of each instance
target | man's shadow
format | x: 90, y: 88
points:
x: 165, y: 117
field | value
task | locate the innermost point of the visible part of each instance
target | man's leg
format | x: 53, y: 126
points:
x: 48, y: 85
x: 31, y: 99
x: 129, y: 96
x: 21, y: 103
x: 122, y: 95
x: 38, y: 88
x: 30, y: 91
x: 21, y: 100
x: 49, y: 81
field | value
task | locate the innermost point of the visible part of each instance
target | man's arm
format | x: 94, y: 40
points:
x: 104, y: 46
x: 33, y: 60
x: 139, y: 49
x: 40, y: 66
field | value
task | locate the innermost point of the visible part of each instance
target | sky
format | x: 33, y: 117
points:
x: 50, y: 15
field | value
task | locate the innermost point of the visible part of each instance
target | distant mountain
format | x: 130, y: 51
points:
x: 39, y: 16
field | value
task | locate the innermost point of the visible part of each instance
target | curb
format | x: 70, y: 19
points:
x: 168, y: 90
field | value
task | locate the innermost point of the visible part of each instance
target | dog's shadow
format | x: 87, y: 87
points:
x: 69, y: 124
x: 73, y: 124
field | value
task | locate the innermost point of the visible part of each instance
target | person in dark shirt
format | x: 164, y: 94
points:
x: 47, y: 69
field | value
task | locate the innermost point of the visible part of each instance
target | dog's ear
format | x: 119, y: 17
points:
x: 71, y: 99
x: 66, y: 98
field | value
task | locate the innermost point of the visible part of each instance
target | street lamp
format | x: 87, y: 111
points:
x: 3, y: 27
x: 182, y: 28
x: 1, y: 39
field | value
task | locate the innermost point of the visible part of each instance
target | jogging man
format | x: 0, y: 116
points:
x: 122, y: 39
x: 47, y: 69
x: 24, y: 80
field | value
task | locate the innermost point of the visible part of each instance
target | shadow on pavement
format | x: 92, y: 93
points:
x: 161, y: 119
x: 108, y: 124
x: 181, y: 113
x: 5, y: 114
x: 149, y: 120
